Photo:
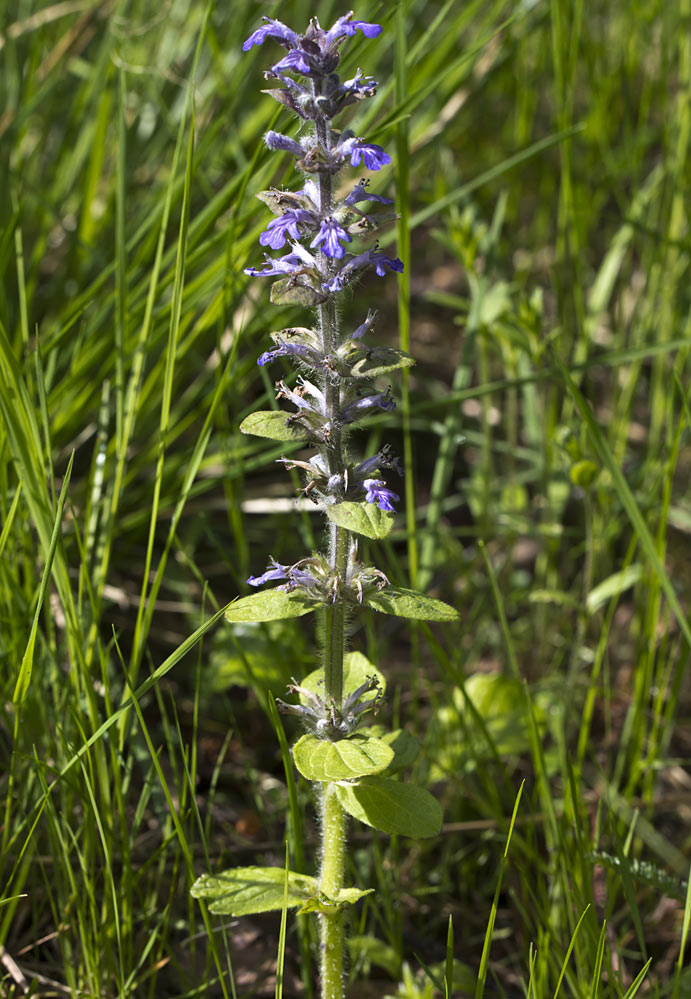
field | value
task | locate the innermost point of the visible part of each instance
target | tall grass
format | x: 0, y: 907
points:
x: 546, y: 148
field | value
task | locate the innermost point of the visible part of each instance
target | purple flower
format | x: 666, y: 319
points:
x: 307, y: 388
x: 316, y: 52
x: 284, y: 349
x: 360, y: 193
x: 275, y: 141
x: 331, y: 234
x: 306, y: 256
x: 297, y: 397
x: 295, y: 60
x: 292, y: 263
x: 275, y: 571
x: 381, y: 262
x: 311, y: 190
x: 379, y: 400
x: 273, y: 29
x: 294, y: 575
x: 379, y: 494
x: 294, y: 397
x: 339, y: 281
x: 365, y: 327
x: 357, y: 88
x: 374, y: 156
x: 382, y: 459
x: 344, y: 26
x: 336, y: 283
x: 285, y: 225
x: 298, y: 577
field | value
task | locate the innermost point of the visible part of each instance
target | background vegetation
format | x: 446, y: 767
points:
x: 542, y: 179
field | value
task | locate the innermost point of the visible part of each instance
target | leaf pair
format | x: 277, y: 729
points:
x: 357, y: 756
x: 379, y: 802
x: 277, y: 604
x: 244, y: 891
x: 360, y: 755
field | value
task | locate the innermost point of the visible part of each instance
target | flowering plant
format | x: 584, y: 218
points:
x: 354, y: 766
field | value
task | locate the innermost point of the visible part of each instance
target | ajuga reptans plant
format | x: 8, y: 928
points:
x: 354, y: 766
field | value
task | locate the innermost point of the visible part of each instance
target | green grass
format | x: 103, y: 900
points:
x: 542, y: 155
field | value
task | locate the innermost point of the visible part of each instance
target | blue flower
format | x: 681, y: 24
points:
x: 378, y: 400
x: 357, y: 149
x: 379, y: 494
x: 344, y: 26
x: 275, y: 571
x: 295, y: 60
x: 297, y: 397
x: 365, y: 327
x: 273, y: 29
x: 358, y: 88
x: 339, y: 281
x: 275, y: 141
x: 381, y: 262
x: 331, y: 234
x: 360, y: 193
x: 294, y: 575
x: 285, y: 225
x: 311, y: 190
x: 292, y: 263
x: 284, y: 349
x: 382, y: 459
x: 315, y: 52
x: 298, y: 577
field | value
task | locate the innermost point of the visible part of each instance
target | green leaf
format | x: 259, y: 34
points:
x: 26, y: 668
x: 356, y: 670
x: 324, y: 903
x: 583, y: 473
x: 409, y: 603
x: 405, y: 749
x: 281, y: 202
x: 274, y: 424
x: 613, y: 586
x: 263, y: 656
x: 349, y: 896
x: 381, y: 361
x: 362, y: 518
x: 269, y: 605
x: 357, y: 756
x: 498, y: 701
x: 243, y: 891
x: 489, y: 718
x: 296, y: 334
x: 286, y: 292
x: 392, y: 806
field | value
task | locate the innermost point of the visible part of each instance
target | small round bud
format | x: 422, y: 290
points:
x: 335, y: 485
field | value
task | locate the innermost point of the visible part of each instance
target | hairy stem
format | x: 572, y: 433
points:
x: 333, y: 816
x: 331, y: 882
x: 334, y: 631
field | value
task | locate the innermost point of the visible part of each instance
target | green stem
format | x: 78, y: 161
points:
x: 333, y: 453
x: 331, y: 883
x: 333, y: 816
x: 334, y: 619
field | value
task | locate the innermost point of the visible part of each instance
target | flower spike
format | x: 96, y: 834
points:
x: 334, y: 390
